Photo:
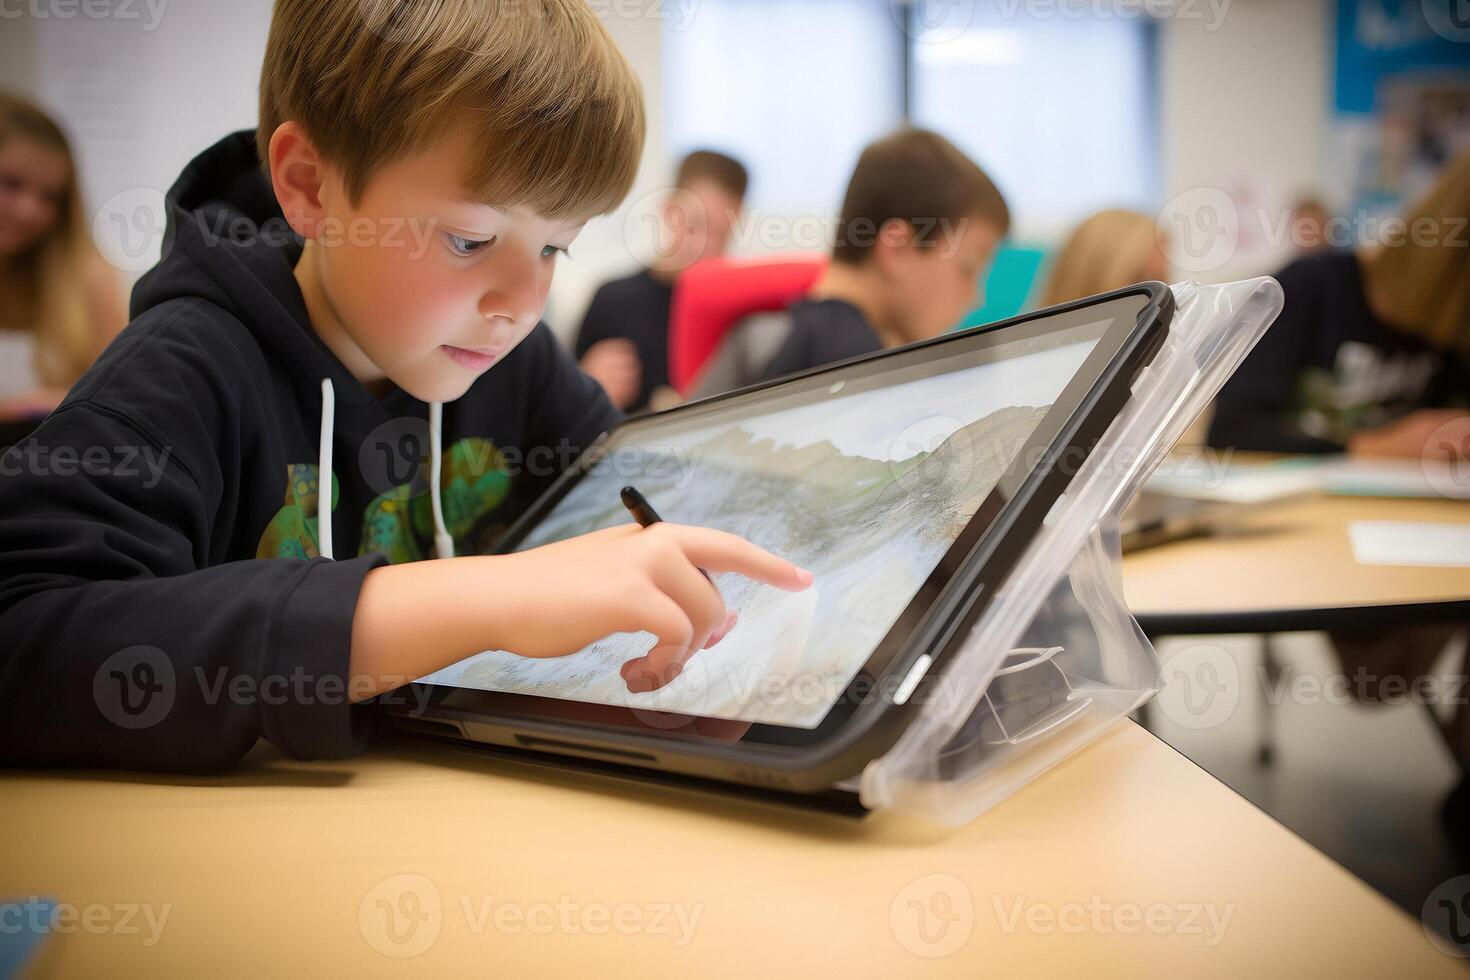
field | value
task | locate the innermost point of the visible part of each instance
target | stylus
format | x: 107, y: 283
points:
x: 644, y: 513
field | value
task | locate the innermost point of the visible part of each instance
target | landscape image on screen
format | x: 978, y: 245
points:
x: 867, y: 491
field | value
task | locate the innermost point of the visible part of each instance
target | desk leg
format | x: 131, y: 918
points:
x: 1271, y: 675
x: 1143, y: 714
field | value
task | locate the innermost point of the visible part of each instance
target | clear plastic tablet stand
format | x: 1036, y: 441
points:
x: 1056, y: 658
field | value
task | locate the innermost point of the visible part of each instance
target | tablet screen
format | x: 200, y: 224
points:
x: 866, y: 476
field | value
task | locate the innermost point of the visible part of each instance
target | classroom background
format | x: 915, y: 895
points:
x: 1216, y: 115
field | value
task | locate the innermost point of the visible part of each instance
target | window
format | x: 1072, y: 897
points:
x: 794, y: 88
x: 1055, y: 101
x: 1058, y: 109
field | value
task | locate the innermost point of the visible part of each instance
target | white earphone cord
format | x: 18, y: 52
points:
x: 443, y: 542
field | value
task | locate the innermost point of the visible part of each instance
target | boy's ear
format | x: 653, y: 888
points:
x: 892, y: 241
x: 297, y: 174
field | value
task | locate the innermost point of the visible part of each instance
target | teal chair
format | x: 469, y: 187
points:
x: 1012, y: 277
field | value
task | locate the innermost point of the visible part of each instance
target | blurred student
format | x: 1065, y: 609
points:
x: 60, y: 303
x: 624, y: 340
x: 1310, y: 225
x: 920, y: 225
x: 1109, y: 250
x: 1371, y: 354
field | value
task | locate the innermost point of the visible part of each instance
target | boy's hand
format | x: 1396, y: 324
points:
x: 614, y: 364
x: 626, y: 579
x: 1429, y: 433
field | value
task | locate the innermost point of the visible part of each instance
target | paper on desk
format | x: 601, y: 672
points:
x: 1410, y: 543
x: 1239, y: 483
x: 1252, y: 483
x: 1395, y: 478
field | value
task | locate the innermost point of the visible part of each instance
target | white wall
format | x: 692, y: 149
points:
x: 1244, y: 110
x: 17, y: 61
x: 602, y: 252
x: 140, y: 96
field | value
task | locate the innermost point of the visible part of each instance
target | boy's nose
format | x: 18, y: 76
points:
x: 513, y: 298
x: 502, y: 330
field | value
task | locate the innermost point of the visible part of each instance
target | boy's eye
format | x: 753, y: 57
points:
x: 465, y: 246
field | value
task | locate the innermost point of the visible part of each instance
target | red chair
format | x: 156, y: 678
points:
x: 712, y: 296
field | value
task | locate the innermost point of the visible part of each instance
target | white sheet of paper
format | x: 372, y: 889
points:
x: 1410, y: 543
x: 1240, y: 483
x: 1395, y: 478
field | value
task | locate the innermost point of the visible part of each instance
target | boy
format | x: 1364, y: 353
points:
x: 166, y: 592
x: 624, y: 340
x: 920, y: 225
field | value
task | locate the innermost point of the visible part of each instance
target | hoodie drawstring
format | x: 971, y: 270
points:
x: 443, y: 542
x: 324, y: 471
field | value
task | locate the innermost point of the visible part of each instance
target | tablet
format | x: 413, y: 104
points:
x: 907, y: 481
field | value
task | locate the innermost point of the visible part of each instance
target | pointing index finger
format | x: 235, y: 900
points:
x: 721, y: 551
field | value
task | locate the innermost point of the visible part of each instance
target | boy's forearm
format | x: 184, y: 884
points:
x: 416, y: 618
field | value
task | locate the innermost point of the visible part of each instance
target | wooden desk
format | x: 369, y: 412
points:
x: 279, y: 870
x: 1291, y: 567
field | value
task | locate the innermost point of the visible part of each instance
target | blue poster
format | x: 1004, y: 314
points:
x: 1381, y: 38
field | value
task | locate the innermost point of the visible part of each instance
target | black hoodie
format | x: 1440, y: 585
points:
x: 163, y: 601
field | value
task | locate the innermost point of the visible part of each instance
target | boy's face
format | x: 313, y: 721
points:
x: 935, y: 283
x: 422, y: 285
x: 699, y: 220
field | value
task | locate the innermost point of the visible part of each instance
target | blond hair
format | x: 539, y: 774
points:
x: 1105, y: 252
x: 554, y: 110
x: 51, y: 273
x: 1421, y: 282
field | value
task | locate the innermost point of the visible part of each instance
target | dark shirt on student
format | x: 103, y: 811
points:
x: 1329, y: 367
x: 822, y: 331
x: 636, y: 308
x: 166, y: 595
